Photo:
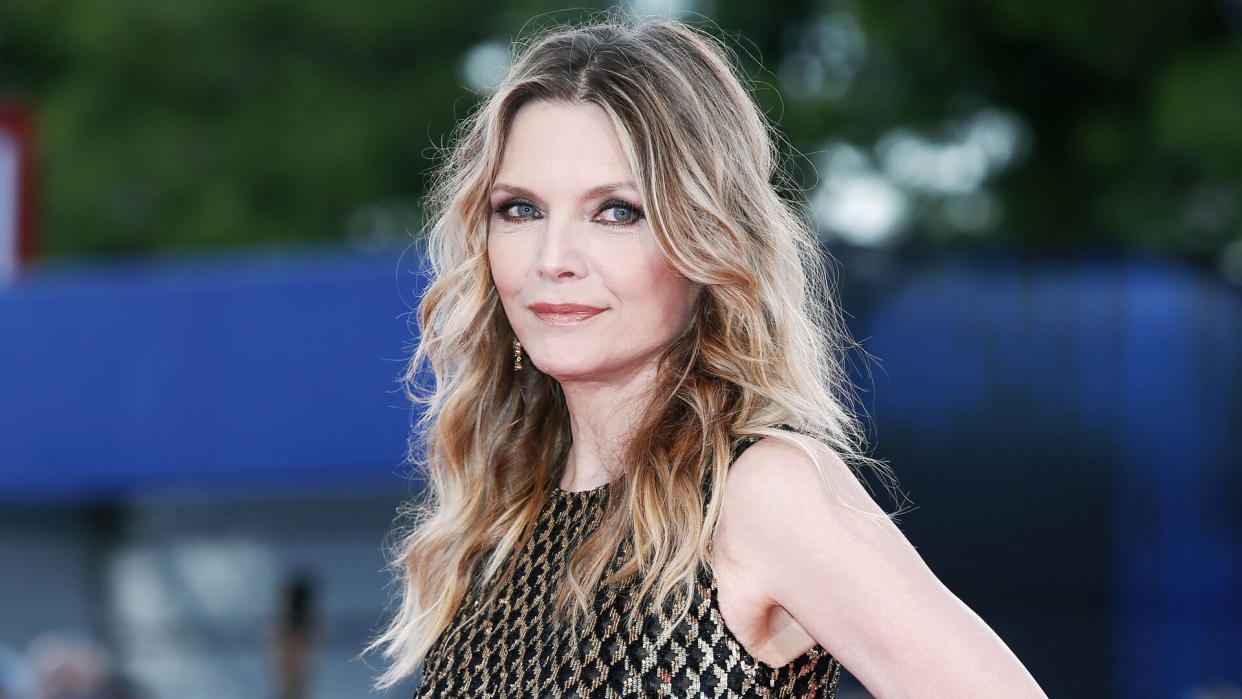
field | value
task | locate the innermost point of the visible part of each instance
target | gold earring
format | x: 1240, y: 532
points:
x: 517, y: 355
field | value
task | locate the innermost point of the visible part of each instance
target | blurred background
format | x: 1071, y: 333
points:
x: 209, y: 215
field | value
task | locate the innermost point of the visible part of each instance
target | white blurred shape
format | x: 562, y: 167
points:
x: 142, y: 594
x: 844, y: 157
x: 223, y: 576
x: 213, y: 579
x: 485, y: 65
x: 985, y: 144
x: 827, y: 57
x: 855, y: 203
x: 1001, y: 135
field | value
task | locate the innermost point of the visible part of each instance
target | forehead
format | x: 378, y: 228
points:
x: 563, y: 146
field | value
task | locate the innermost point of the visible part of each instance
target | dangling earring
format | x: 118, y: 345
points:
x: 517, y: 355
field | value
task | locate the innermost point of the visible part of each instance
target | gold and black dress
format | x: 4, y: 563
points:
x: 515, y: 647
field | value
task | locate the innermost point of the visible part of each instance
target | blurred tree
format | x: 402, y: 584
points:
x: 193, y: 123
x: 198, y: 123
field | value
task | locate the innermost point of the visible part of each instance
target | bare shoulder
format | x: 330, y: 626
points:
x: 794, y: 516
x: 803, y: 531
x: 793, y: 481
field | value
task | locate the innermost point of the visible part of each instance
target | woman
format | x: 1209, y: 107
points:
x: 621, y: 306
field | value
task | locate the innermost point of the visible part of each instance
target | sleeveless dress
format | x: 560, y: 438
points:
x: 515, y: 648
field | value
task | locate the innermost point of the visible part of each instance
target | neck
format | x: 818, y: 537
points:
x: 603, y: 416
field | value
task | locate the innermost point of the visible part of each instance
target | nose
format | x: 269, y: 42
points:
x: 560, y: 256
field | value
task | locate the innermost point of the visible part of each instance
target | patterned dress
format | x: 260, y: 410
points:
x: 515, y: 648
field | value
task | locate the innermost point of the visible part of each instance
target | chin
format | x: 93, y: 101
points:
x: 566, y: 363
x: 566, y: 370
x: 585, y: 366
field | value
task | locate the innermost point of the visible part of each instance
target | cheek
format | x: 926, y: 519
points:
x: 507, y: 277
x: 670, y: 292
x: 506, y: 274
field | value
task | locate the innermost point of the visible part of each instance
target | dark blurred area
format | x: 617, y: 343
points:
x: 209, y: 216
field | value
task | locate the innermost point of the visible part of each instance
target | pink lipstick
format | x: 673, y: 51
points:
x: 564, y: 314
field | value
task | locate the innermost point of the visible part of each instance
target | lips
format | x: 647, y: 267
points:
x: 564, y: 314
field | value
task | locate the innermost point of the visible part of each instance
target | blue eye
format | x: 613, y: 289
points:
x: 517, y: 210
x: 618, y: 213
x: 621, y: 214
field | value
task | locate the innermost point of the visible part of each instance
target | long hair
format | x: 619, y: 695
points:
x: 766, y: 344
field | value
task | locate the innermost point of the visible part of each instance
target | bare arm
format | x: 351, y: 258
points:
x: 855, y: 583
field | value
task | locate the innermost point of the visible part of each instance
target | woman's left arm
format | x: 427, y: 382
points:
x: 856, y: 584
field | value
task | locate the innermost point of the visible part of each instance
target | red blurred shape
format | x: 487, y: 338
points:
x: 17, y: 189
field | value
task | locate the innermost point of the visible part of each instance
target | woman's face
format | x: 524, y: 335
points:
x: 584, y: 286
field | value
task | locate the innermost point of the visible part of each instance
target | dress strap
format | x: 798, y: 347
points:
x: 741, y: 444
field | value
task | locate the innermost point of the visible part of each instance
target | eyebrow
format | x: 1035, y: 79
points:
x: 592, y: 193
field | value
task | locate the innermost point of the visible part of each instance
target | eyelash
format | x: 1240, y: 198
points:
x: 618, y: 204
x: 501, y: 211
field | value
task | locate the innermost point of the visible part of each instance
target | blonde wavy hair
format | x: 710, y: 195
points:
x: 766, y: 344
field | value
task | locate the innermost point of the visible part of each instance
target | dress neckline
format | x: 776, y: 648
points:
x: 560, y: 492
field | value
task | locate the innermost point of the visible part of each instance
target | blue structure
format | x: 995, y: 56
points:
x: 1078, y: 425
x: 274, y: 371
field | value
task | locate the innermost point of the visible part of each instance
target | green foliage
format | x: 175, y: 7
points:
x: 186, y: 123
x: 167, y: 124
